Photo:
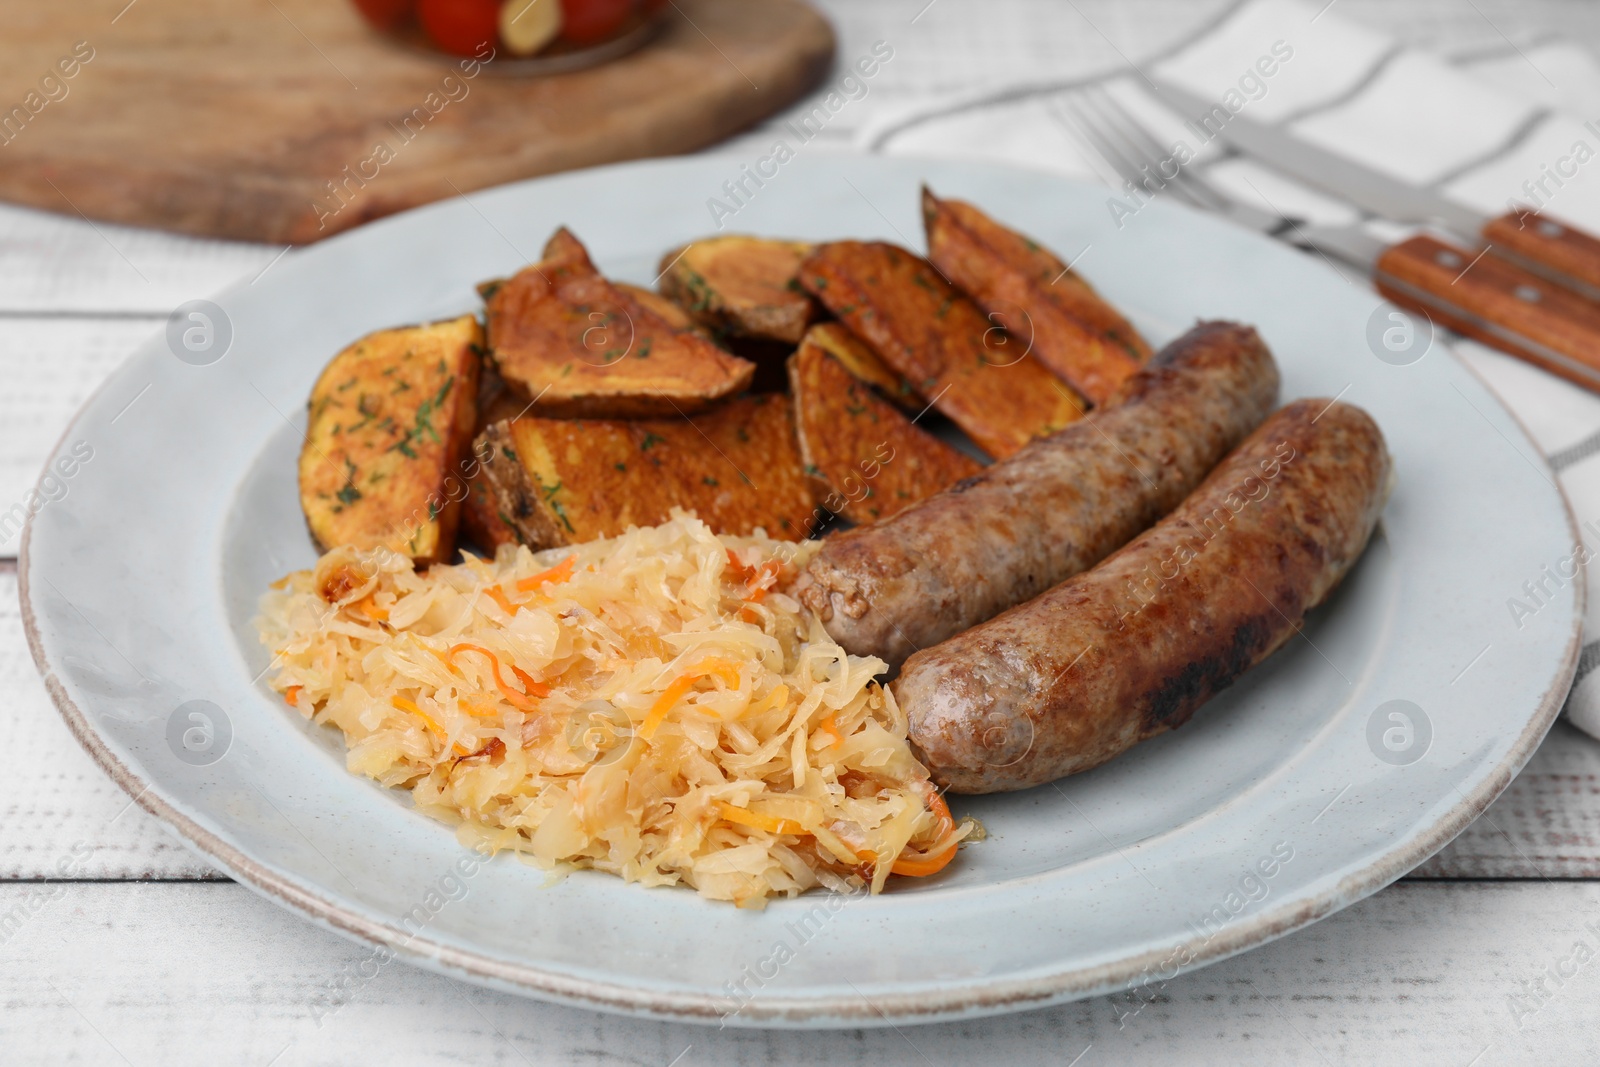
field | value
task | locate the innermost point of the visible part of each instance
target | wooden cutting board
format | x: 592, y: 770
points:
x: 238, y: 118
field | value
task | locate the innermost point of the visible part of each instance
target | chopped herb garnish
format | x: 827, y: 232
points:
x: 651, y: 439
x: 550, y: 492
x: 701, y: 295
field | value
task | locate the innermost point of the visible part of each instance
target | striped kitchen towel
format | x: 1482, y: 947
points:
x: 1503, y: 125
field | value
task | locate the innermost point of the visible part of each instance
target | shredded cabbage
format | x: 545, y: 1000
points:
x: 653, y: 705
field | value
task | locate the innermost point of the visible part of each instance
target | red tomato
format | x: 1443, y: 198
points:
x: 460, y: 26
x: 592, y: 21
x: 384, y: 14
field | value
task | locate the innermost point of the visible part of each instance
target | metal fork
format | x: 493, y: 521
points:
x: 1545, y: 325
x: 1114, y: 134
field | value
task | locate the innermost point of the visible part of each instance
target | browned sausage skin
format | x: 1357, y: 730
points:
x: 1131, y: 649
x: 1052, y: 510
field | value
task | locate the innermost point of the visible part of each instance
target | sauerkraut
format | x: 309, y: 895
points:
x: 654, y: 705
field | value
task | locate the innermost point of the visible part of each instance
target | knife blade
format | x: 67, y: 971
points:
x: 1554, y: 250
x: 1480, y: 295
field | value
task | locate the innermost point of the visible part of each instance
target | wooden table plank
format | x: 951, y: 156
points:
x: 56, y: 806
x: 60, y: 263
x: 1545, y: 825
x: 51, y: 367
x: 1423, y: 972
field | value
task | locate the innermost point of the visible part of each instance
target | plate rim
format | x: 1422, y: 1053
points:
x: 964, y: 999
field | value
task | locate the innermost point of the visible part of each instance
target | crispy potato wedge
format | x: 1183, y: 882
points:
x: 481, y: 520
x: 391, y: 419
x: 585, y: 347
x: 939, y: 340
x: 859, y: 359
x: 565, y: 481
x: 872, y: 458
x: 741, y: 286
x: 674, y: 315
x: 651, y: 299
x: 1034, y: 295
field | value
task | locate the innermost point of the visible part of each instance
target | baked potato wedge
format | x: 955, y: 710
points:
x: 924, y: 329
x: 481, y: 520
x: 651, y: 299
x: 859, y: 359
x: 873, y: 459
x: 674, y: 315
x: 584, y: 347
x: 565, y: 481
x: 390, y: 422
x: 1035, y: 296
x: 741, y: 286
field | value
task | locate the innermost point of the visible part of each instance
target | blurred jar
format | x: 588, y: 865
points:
x: 527, y: 36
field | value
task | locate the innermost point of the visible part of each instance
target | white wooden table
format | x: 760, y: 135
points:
x: 143, y: 954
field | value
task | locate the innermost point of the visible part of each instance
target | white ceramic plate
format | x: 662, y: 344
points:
x: 1271, y: 809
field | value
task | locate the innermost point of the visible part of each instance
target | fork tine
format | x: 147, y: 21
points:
x: 1124, y: 157
x: 1143, y: 151
x: 1103, y: 139
x: 1135, y: 132
x: 1149, y: 152
x: 1066, y: 115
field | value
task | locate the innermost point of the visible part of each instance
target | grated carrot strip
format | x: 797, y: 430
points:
x: 561, y: 572
x: 500, y: 598
x: 402, y: 704
x: 478, y: 711
x: 922, y: 866
x: 292, y: 695
x: 769, y: 823
x: 721, y: 668
x: 830, y: 726
x: 517, y: 700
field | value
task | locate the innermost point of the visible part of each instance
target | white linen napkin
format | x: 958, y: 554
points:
x: 1506, y: 125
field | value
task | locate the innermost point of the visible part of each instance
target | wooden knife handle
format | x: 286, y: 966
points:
x: 1547, y: 246
x: 1496, y: 302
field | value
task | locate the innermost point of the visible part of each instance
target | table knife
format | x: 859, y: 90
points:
x: 1523, y: 282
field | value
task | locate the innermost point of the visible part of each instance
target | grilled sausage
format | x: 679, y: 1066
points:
x: 1131, y: 648
x: 1054, y: 509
